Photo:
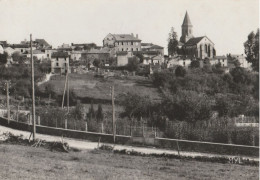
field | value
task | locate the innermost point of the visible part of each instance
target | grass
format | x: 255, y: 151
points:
x: 25, y: 162
x: 87, y: 85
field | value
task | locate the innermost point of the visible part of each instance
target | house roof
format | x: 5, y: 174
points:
x: 146, y: 44
x: 60, y: 55
x: 186, y: 21
x: 156, y: 47
x: 96, y: 51
x: 150, y: 52
x: 157, y: 57
x: 194, y: 41
x: 220, y: 57
x: 36, y: 51
x: 42, y: 42
x: 125, y: 37
x: 20, y: 46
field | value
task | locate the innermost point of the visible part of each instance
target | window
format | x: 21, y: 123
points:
x: 132, y: 43
x: 21, y: 50
x: 127, y: 49
x: 184, y: 63
x: 118, y: 43
x: 57, y: 58
x: 57, y: 64
x: 122, y: 49
x: 132, y: 49
x: 136, y: 49
x: 65, y: 64
x: 65, y: 59
x: 47, y: 55
x: 122, y: 43
x: 223, y: 60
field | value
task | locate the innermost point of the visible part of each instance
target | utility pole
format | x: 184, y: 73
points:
x: 113, y: 115
x: 63, y: 96
x: 17, y: 113
x: 7, y: 101
x: 33, y: 96
x: 68, y: 89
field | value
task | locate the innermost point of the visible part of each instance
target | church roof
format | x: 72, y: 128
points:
x: 186, y: 21
x: 125, y: 37
x: 193, y: 41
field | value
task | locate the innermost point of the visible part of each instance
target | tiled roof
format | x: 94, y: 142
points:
x: 60, y: 55
x: 194, y: 41
x: 220, y: 57
x: 97, y: 51
x: 146, y: 44
x: 156, y: 47
x: 125, y: 37
x: 42, y: 42
x: 150, y: 52
x: 20, y: 46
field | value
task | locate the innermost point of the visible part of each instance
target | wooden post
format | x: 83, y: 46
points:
x: 113, y: 114
x: 7, y: 101
x: 33, y: 96
x: 64, y: 90
x: 68, y: 88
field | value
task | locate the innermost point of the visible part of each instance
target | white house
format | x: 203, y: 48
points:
x: 75, y: 55
x: 60, y: 62
x: 222, y: 60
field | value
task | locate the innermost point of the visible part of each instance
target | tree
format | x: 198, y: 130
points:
x: 97, y: 63
x: 91, y: 112
x: 140, y: 56
x: 3, y: 58
x: 187, y: 106
x: 99, y: 113
x: 195, y: 64
x: 135, y: 106
x: 252, y: 49
x: 18, y: 57
x: 240, y: 75
x: 180, y: 71
x: 172, y: 42
x: 133, y: 64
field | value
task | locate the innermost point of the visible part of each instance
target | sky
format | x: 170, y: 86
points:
x: 226, y: 22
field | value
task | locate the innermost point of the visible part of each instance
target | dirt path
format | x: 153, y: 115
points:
x: 87, y: 145
x: 47, y: 78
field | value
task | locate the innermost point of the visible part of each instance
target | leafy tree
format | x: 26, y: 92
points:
x: 99, y: 113
x: 180, y: 71
x: 172, y: 42
x: 3, y: 58
x: 135, y: 106
x: 97, y: 63
x: 188, y: 106
x: 252, y: 49
x: 140, y: 56
x: 160, y: 79
x: 240, y: 75
x: 18, y: 57
x: 133, y: 63
x: 91, y: 112
x: 45, y: 66
x: 195, y: 64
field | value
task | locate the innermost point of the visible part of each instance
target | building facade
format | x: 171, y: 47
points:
x: 60, y: 62
x: 122, y: 42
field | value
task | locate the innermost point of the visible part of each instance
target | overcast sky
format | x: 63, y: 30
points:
x: 226, y: 22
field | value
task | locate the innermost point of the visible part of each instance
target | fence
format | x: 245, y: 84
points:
x: 183, y: 145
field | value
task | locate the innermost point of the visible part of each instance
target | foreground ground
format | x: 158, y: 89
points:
x: 25, y: 162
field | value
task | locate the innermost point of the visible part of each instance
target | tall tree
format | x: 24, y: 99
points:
x: 99, y: 113
x: 252, y: 49
x: 172, y: 42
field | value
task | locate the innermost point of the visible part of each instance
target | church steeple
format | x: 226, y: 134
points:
x: 186, y: 29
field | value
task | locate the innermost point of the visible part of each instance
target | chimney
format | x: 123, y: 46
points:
x: 137, y: 36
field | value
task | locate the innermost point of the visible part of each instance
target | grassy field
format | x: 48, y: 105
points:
x: 87, y: 85
x: 24, y: 162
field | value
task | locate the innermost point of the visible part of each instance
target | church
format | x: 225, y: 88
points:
x: 195, y: 47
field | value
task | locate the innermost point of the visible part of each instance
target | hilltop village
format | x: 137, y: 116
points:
x: 116, y: 51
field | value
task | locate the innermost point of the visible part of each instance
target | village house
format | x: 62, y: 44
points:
x: 22, y: 48
x: 60, y: 62
x: 89, y: 56
x: 152, y: 47
x: 123, y: 57
x: 122, y: 42
x: 75, y: 55
x: 242, y: 60
x: 222, y: 60
x: 40, y: 55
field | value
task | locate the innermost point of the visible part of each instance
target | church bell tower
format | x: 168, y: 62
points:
x: 186, y: 29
